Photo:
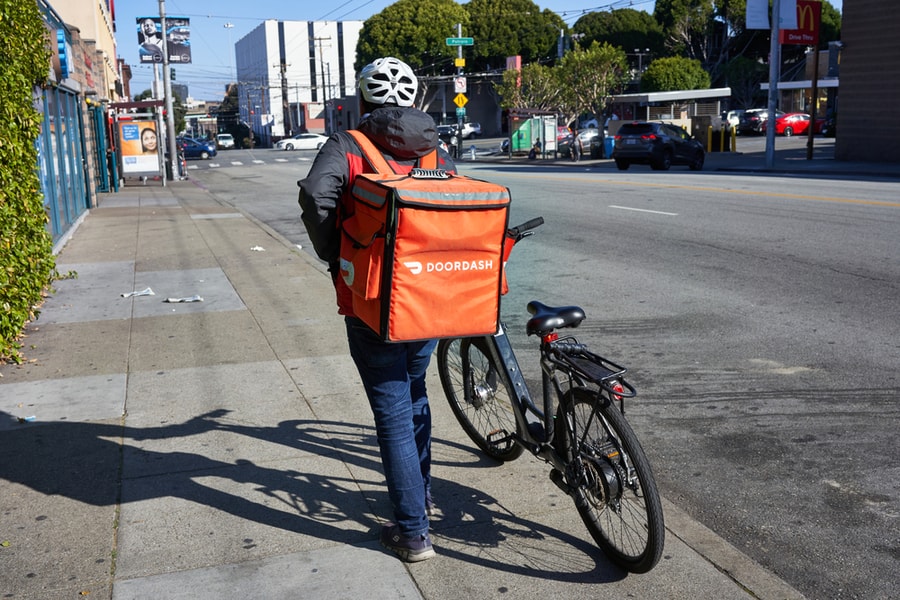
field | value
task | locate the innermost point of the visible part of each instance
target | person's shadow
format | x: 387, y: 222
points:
x: 105, y: 464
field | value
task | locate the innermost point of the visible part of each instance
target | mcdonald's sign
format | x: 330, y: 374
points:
x: 809, y: 20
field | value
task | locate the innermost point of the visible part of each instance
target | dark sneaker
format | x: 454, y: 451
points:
x: 409, y: 549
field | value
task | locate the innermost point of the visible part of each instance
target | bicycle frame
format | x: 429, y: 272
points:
x: 578, y: 426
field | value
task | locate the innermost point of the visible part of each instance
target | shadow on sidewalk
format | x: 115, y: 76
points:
x: 82, y: 461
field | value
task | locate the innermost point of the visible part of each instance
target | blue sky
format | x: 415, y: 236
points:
x: 212, y: 43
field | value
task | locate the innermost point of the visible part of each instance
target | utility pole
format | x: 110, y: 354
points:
x: 459, y: 83
x: 324, y: 88
x: 459, y: 73
x: 285, y: 102
x: 167, y: 85
x: 774, y: 75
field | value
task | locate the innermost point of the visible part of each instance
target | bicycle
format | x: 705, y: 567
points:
x: 580, y: 429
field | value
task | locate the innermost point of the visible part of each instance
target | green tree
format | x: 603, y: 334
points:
x: 414, y: 31
x: 26, y: 248
x: 625, y: 28
x: 714, y: 32
x: 587, y: 78
x: 177, y: 105
x: 583, y: 81
x: 692, y: 28
x: 744, y: 76
x: 504, y: 28
x: 536, y: 86
x: 674, y: 73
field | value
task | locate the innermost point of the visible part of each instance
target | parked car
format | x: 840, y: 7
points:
x: 194, y: 148
x: 446, y: 132
x: 302, y: 141
x: 659, y: 145
x: 794, y: 124
x: 732, y: 117
x: 751, y: 121
x: 225, y: 141
x: 470, y: 129
x: 564, y: 148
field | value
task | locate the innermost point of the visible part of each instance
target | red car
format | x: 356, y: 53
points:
x: 794, y: 124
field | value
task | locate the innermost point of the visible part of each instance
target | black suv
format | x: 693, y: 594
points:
x: 752, y: 120
x: 659, y: 145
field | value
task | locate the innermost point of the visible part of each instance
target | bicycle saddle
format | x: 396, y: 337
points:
x: 547, y: 318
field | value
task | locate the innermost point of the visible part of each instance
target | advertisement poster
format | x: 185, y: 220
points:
x: 140, y: 147
x: 177, y: 37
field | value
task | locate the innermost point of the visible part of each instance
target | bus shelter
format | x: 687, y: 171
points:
x: 140, y: 137
x: 532, y: 129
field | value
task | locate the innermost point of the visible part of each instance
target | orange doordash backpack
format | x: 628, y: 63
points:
x: 423, y: 252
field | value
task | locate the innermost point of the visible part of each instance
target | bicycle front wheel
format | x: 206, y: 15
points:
x: 478, y: 395
x: 615, y: 491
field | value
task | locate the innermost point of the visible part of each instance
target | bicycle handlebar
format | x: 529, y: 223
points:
x: 519, y: 231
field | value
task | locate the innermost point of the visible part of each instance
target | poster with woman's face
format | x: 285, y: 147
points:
x: 140, y: 146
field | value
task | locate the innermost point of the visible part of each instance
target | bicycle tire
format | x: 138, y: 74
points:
x: 615, y: 492
x: 479, y: 396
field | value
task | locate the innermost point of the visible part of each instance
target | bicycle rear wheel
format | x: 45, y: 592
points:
x: 478, y: 395
x: 615, y: 491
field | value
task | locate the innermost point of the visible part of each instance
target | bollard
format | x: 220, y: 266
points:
x: 472, y: 152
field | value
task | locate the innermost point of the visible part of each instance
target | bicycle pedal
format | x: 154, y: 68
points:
x: 497, y: 436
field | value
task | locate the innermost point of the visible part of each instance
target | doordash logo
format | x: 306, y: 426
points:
x: 416, y: 268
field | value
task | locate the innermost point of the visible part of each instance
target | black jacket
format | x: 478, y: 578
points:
x: 402, y: 134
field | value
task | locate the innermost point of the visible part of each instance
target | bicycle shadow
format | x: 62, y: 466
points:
x: 106, y: 464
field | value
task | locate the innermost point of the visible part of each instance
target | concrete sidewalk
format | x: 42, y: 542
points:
x: 223, y: 448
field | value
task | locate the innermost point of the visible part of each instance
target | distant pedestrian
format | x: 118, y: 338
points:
x: 576, y: 146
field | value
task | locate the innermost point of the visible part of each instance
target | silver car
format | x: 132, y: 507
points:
x: 302, y: 141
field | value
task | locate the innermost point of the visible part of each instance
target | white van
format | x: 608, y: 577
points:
x: 225, y: 141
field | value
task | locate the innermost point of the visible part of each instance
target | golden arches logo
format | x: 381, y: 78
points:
x: 807, y: 15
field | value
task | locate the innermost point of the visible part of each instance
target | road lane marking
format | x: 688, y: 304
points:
x: 725, y: 190
x: 655, y: 212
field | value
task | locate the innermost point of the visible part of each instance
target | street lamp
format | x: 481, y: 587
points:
x: 640, y: 56
x: 229, y: 27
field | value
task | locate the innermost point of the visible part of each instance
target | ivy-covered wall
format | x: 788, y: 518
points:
x: 26, y: 250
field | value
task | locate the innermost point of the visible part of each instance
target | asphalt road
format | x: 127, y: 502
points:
x: 759, y: 318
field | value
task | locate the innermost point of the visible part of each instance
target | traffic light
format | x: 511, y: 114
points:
x: 172, y: 73
x: 340, y: 115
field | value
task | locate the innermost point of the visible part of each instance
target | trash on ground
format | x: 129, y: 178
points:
x: 258, y: 249
x: 30, y: 419
x: 145, y: 292
x: 194, y: 298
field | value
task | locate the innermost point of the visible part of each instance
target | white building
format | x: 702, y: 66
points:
x: 288, y: 73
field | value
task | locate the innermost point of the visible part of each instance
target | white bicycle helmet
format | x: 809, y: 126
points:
x: 388, y: 80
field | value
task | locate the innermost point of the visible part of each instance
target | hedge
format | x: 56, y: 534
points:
x: 27, y: 264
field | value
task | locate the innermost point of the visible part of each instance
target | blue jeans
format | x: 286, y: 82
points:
x: 393, y: 376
